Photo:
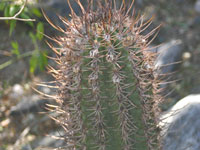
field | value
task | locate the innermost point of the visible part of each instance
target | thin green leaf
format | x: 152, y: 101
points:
x: 36, y: 12
x: 16, y: 52
x: 15, y: 49
x: 6, y: 11
x: 12, y: 26
x: 2, y: 6
x: 40, y: 30
x: 33, y: 63
x: 15, y: 45
x: 42, y: 60
x: 13, y: 10
x: 26, y: 10
x: 33, y: 37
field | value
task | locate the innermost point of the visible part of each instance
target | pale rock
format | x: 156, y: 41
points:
x: 169, y: 56
x: 197, y: 6
x: 28, y: 104
x: 181, y: 125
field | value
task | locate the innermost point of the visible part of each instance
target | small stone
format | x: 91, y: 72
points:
x: 186, y: 55
x: 197, y: 6
x: 169, y: 56
x: 17, y: 91
x: 28, y: 104
x: 5, y: 122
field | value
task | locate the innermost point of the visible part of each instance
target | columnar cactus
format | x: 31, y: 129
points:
x: 107, y: 91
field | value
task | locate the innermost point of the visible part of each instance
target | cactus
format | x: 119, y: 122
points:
x: 108, y: 93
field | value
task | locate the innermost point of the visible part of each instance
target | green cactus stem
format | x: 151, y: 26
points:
x: 108, y: 94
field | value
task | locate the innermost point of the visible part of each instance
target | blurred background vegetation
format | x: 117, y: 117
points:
x: 23, y: 61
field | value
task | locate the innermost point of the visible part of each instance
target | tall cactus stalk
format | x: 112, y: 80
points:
x: 107, y: 91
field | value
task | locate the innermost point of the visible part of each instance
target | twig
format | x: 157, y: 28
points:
x: 15, y: 17
x: 5, y: 53
x: 21, y: 138
x: 9, y: 62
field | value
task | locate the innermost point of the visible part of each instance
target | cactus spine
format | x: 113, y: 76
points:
x: 108, y: 94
